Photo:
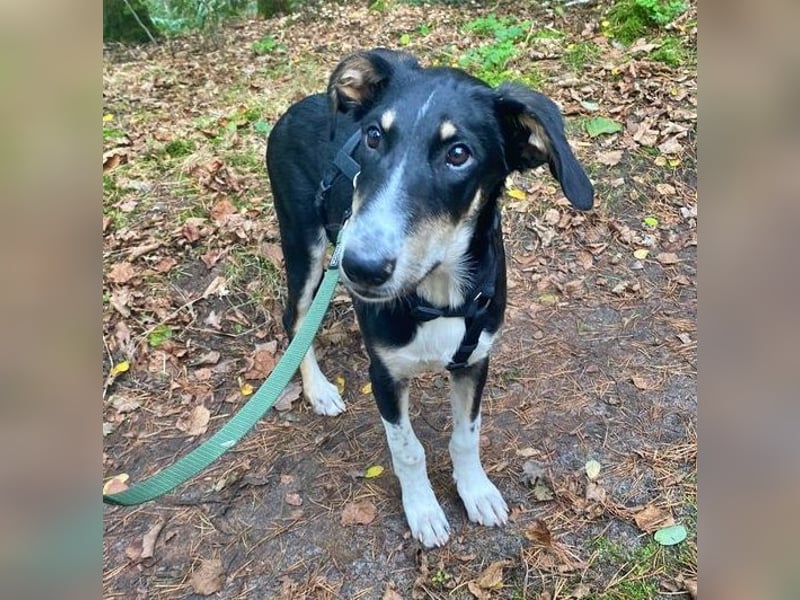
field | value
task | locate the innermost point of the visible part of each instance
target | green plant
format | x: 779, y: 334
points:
x: 178, y: 148
x: 490, y: 61
x: 631, y: 19
x: 671, y: 52
x: 577, y: 55
x: 267, y: 44
x: 178, y: 16
x: 159, y: 335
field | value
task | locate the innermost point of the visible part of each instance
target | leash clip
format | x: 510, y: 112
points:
x: 336, y: 257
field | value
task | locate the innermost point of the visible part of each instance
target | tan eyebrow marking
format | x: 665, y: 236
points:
x: 387, y: 119
x: 447, y: 130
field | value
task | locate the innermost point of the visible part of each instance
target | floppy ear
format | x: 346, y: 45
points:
x: 534, y: 135
x: 359, y: 78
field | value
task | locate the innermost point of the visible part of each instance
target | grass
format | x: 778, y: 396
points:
x: 578, y: 55
x: 672, y: 52
x: 492, y: 60
x: 629, y: 20
x: 248, y: 272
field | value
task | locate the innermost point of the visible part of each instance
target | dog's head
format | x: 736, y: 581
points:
x: 436, y: 147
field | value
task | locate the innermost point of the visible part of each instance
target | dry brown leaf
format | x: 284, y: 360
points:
x: 208, y: 578
x: 123, y: 403
x: 165, y: 264
x: 390, y: 593
x: 191, y: 229
x: 293, y: 499
x: 691, y: 587
x: 117, y: 484
x: 595, y: 492
x: 272, y: 252
x: 217, y: 285
x: 476, y: 591
x: 221, y: 209
x: 211, y: 257
x: 580, y: 591
x: 609, y: 158
x: 149, y: 540
x: 651, y: 518
x: 209, y: 358
x: 667, y: 258
x: 539, y: 533
x: 492, y: 576
x: 121, y: 272
x: 359, y: 513
x: 195, y: 422
x: 642, y: 383
x: 260, y: 365
x: 290, y: 393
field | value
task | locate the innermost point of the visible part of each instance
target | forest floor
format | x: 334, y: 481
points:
x: 596, y: 361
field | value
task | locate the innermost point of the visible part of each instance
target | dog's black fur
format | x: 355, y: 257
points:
x: 424, y: 240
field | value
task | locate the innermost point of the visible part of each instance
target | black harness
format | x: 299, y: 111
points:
x: 474, y: 311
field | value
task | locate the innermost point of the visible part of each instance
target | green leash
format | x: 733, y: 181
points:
x: 244, y: 420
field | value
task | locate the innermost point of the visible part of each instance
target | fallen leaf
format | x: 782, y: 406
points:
x: 260, y: 365
x: 595, y: 493
x: 390, y: 593
x: 665, y: 189
x: 195, y: 422
x: 642, y: 383
x: 116, y: 484
x: 492, y: 576
x: 667, y: 258
x: 191, y: 229
x: 120, y: 367
x: 221, y: 209
x: 288, y: 396
x: 541, y: 492
x: 651, y: 518
x: 366, y: 389
x: 650, y: 222
x: 217, y: 286
x: 149, y: 540
x: 592, y: 468
x: 272, y: 252
x: 601, y: 125
x: 209, y: 358
x: 539, y: 533
x: 580, y: 591
x: 641, y: 253
x: 340, y: 384
x: 373, y: 471
x: 517, y: 194
x: 165, y: 264
x: 211, y: 257
x: 123, y: 404
x: 691, y: 587
x: 246, y: 389
x: 685, y: 338
x: 609, y: 158
x: 213, y: 320
x: 359, y: 513
x: 207, y: 579
x: 293, y: 498
x: 121, y: 272
x: 669, y: 536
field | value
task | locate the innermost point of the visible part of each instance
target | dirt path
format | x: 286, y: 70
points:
x: 597, y: 360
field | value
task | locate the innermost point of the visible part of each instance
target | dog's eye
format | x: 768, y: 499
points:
x: 458, y: 155
x: 374, y: 136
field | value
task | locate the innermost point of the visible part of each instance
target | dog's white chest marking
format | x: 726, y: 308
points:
x: 433, y: 346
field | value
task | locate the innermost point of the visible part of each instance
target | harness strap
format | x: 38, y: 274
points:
x: 343, y: 164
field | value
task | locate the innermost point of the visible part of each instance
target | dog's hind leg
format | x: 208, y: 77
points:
x: 483, y: 501
x: 304, y: 268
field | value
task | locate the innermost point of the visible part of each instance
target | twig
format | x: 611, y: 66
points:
x: 139, y: 21
x: 576, y: 2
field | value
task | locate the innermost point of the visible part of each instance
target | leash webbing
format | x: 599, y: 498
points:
x: 247, y: 416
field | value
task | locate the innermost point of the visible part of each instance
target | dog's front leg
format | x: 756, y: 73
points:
x: 424, y: 515
x: 483, y: 501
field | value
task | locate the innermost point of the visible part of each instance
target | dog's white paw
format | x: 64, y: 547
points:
x: 426, y: 520
x: 324, y: 397
x: 483, y: 501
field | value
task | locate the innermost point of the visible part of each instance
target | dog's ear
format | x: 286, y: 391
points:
x: 534, y: 135
x: 359, y: 78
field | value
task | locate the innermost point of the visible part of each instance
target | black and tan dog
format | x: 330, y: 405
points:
x: 417, y: 158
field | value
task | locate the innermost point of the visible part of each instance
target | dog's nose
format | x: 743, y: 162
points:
x: 367, y: 270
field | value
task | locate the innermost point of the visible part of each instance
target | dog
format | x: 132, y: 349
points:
x: 411, y: 162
